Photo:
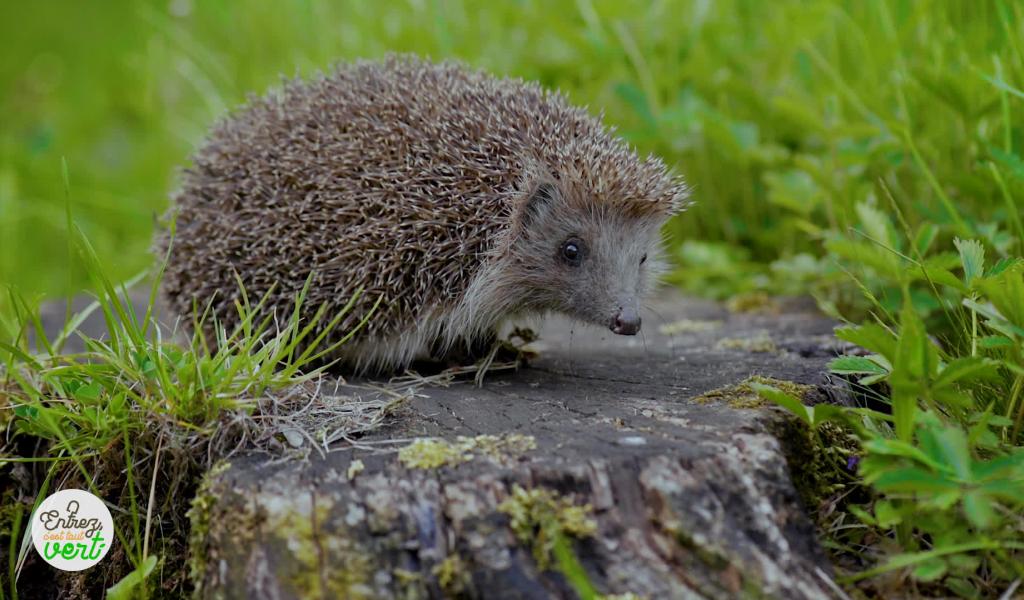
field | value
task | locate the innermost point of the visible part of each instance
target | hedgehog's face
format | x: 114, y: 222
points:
x: 594, y: 265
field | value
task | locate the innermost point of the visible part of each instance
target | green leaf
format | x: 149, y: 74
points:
x: 887, y: 515
x: 995, y: 319
x: 1013, y: 163
x: 793, y: 189
x: 26, y: 411
x: 890, y: 447
x: 88, y: 393
x: 1007, y: 262
x: 823, y: 412
x: 972, y: 258
x: 870, y: 337
x: 916, y: 357
x: 862, y: 515
x: 867, y: 254
x: 904, y: 406
x: 968, y: 368
x: 911, y: 480
x: 943, y: 260
x: 978, y: 508
x: 1005, y: 467
x: 943, y: 277
x: 952, y: 397
x: 787, y: 401
x: 944, y: 501
x: 924, y: 238
x: 1009, y: 490
x: 1006, y: 293
x: 952, y: 448
x: 853, y: 365
x: 992, y: 342
x: 872, y: 379
x: 991, y: 419
x: 876, y: 224
x: 963, y: 563
x: 915, y: 362
x: 930, y: 570
x: 123, y: 590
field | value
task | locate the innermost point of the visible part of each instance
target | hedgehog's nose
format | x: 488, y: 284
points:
x: 626, y: 322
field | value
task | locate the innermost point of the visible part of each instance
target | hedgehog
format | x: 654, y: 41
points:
x: 445, y: 200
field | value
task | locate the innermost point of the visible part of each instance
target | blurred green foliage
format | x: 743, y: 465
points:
x: 868, y: 152
x: 783, y: 115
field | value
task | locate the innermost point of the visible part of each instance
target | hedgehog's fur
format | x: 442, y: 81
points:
x: 445, y: 190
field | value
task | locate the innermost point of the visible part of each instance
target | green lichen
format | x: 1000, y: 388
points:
x: 761, y: 342
x: 349, y: 574
x: 753, y: 302
x: 688, y: 326
x: 297, y: 524
x: 199, y: 515
x: 297, y: 530
x: 500, y: 448
x: 426, y: 453
x: 408, y: 580
x: 539, y: 518
x: 293, y: 522
x: 432, y: 453
x: 722, y: 569
x: 354, y: 468
x: 453, y: 575
x: 743, y: 395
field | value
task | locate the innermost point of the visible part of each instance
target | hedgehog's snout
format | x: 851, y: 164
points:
x: 625, y: 322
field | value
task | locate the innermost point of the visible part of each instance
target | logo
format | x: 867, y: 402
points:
x: 72, y: 530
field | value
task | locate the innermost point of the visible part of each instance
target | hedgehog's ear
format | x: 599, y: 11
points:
x: 541, y: 199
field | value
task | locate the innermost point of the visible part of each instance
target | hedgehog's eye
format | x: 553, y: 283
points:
x: 643, y: 258
x: 572, y: 251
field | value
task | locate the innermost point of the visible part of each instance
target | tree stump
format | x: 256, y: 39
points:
x: 689, y: 494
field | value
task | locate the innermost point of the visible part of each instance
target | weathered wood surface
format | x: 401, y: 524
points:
x: 691, y: 499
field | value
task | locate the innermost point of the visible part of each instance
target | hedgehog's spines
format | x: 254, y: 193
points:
x: 402, y: 177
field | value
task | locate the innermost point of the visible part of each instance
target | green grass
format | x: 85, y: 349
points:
x: 942, y: 446
x: 783, y: 115
x: 137, y: 418
x: 866, y: 152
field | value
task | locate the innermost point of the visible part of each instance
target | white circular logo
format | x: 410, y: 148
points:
x: 72, y: 530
